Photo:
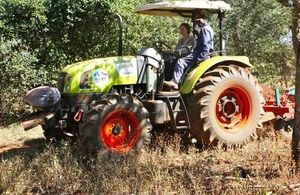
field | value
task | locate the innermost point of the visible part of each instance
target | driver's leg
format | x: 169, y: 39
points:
x: 169, y: 68
x: 181, y: 65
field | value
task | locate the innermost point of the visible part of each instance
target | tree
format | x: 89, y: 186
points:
x: 258, y: 29
x: 296, y: 43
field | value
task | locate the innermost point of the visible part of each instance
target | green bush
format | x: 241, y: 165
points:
x: 41, y: 36
x: 18, y: 74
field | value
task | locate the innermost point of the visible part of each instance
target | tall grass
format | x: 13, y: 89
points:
x: 261, y: 167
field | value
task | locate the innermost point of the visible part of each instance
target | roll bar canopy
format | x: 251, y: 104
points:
x: 182, y: 8
x: 186, y: 9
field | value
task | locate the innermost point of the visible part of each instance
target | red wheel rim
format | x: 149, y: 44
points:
x: 233, y: 109
x: 120, y: 131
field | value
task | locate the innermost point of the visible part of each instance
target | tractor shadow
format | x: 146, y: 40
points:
x: 164, y: 139
x: 29, y: 148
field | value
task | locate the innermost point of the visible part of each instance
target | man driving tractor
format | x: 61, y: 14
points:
x: 205, y: 44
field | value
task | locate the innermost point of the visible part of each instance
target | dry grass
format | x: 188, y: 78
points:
x: 14, y: 133
x: 259, y: 167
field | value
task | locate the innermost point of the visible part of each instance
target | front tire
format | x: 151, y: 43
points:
x: 226, y: 105
x: 115, y: 125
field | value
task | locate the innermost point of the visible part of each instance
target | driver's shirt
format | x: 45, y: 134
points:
x: 204, y: 44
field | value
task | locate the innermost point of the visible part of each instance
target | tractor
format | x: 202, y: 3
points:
x: 113, y: 104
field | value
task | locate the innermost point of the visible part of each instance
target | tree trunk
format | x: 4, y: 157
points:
x: 296, y: 43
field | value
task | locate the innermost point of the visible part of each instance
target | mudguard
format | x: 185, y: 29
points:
x: 193, y: 76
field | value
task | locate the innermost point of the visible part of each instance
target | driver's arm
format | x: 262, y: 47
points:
x: 187, y: 48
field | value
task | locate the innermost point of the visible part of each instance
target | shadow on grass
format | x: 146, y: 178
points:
x: 29, y: 148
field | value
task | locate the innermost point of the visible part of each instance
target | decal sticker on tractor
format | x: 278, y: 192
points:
x: 99, y: 77
x: 125, y: 69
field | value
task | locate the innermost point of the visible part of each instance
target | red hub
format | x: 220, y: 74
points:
x: 233, y: 108
x: 120, y: 131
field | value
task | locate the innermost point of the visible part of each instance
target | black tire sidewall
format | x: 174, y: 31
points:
x: 90, y: 129
x: 131, y: 107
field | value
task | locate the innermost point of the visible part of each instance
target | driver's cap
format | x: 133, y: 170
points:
x: 197, y: 15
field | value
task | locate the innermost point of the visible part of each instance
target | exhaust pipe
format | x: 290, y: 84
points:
x: 27, y: 125
x: 120, y: 43
x: 37, y: 120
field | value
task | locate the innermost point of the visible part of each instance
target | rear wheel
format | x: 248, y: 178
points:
x: 226, y: 105
x: 115, y: 125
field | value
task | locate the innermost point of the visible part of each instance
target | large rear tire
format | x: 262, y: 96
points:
x: 115, y: 125
x: 225, y: 106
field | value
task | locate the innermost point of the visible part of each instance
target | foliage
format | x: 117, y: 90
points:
x: 142, y: 30
x: 260, y: 31
x: 79, y: 29
x: 17, y: 75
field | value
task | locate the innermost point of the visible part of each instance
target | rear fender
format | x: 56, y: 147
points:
x: 193, y: 76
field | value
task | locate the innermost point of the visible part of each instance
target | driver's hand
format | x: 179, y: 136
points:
x: 171, y: 51
x: 177, y: 53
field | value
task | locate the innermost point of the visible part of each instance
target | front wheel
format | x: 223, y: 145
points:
x: 226, y: 105
x: 116, y: 125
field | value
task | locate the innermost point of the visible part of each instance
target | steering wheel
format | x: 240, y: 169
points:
x: 166, y: 51
x: 160, y: 45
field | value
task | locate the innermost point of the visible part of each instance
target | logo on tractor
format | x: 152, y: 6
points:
x: 100, y: 77
x: 125, y: 69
